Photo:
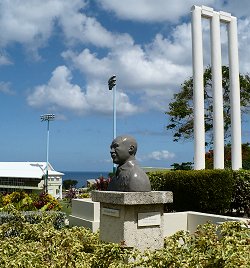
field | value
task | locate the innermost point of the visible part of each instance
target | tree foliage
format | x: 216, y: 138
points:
x: 181, y: 109
x: 227, y: 157
x: 182, y: 166
x: 67, y: 184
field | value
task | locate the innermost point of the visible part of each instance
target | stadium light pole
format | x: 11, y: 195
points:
x: 112, y: 86
x: 48, y: 118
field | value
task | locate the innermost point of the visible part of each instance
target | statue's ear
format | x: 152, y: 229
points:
x: 131, y: 149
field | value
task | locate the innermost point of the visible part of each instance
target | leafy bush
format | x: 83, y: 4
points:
x: 41, y: 245
x: 84, y: 195
x: 221, y: 246
x: 241, y: 194
x: 23, y: 244
x: 20, y: 200
x: 71, y: 194
x: 25, y: 202
x: 101, y: 183
x: 45, y: 202
x: 10, y: 215
x: 198, y: 190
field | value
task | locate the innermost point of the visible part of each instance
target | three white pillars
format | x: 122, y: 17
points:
x: 218, y: 123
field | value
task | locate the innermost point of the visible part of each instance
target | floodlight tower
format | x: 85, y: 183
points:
x: 112, y: 86
x: 48, y: 118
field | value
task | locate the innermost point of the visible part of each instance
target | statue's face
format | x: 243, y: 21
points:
x: 120, y: 151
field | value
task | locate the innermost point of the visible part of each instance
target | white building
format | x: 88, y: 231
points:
x: 29, y: 176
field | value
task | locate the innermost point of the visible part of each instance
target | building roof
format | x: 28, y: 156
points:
x: 26, y: 170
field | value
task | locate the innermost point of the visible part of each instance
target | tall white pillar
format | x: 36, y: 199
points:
x: 198, y: 98
x: 234, y: 95
x: 218, y: 119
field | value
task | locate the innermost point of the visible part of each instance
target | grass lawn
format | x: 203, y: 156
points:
x: 66, y: 206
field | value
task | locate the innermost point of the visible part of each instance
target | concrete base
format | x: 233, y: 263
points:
x: 77, y: 221
x: 142, y: 225
x: 85, y: 213
x: 189, y: 221
x: 134, y: 219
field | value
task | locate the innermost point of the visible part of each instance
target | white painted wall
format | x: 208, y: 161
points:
x: 189, y: 220
x: 86, y: 213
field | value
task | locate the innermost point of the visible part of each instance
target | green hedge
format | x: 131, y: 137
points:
x: 41, y: 245
x: 9, y: 215
x: 241, y: 193
x: 210, y: 191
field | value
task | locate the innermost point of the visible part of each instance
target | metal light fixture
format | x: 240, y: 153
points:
x: 112, y: 86
x: 48, y: 118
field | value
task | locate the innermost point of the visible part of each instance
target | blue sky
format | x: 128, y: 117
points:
x: 57, y: 55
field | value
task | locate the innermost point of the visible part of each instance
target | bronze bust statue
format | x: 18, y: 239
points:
x: 129, y: 176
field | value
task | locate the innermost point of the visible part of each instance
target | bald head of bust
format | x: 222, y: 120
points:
x: 129, y: 176
x: 122, y: 149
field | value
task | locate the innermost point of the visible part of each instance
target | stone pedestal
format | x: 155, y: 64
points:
x: 135, y: 219
x: 85, y: 213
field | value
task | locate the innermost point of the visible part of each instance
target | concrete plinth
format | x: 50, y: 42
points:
x: 135, y: 219
x: 85, y: 213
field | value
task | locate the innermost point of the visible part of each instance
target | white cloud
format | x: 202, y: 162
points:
x: 4, y: 60
x: 32, y: 23
x: 160, y: 155
x: 60, y: 94
x: 152, y: 71
x: 176, y: 49
x: 142, y: 70
x: 89, y: 64
x: 78, y: 27
x: 100, y: 100
x: 152, y: 11
x: 5, y: 87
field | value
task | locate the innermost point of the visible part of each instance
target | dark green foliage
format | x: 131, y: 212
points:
x: 246, y: 156
x: 10, y: 215
x: 241, y: 193
x: 182, y: 166
x: 204, y: 190
x: 67, y: 184
x: 181, y: 114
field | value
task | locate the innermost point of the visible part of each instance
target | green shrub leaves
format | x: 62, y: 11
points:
x: 42, y: 246
x: 209, y: 191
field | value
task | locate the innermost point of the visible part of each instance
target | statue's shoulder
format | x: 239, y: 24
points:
x: 137, y: 169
